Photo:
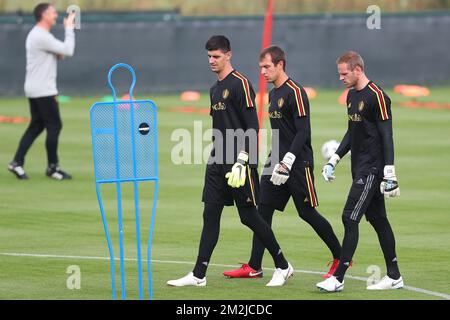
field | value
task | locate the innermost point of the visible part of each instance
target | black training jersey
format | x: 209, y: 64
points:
x: 369, y: 135
x: 289, y: 115
x: 234, y: 119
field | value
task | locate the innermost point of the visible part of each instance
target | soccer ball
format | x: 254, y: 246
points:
x: 329, y: 148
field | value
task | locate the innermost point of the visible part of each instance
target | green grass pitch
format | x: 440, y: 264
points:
x: 47, y: 226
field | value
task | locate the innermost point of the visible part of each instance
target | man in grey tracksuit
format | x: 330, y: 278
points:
x: 43, y: 51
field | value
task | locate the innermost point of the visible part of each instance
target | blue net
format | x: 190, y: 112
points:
x: 124, y: 148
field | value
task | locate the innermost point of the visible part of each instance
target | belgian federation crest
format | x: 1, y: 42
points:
x: 225, y: 94
x: 361, y: 106
x: 280, y: 102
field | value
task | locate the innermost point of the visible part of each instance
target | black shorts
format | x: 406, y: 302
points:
x: 217, y: 190
x: 365, y: 198
x: 299, y: 185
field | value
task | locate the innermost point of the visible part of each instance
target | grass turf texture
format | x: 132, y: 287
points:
x: 42, y: 216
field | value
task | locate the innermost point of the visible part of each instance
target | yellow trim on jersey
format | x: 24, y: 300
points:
x: 381, y: 101
x: 246, y: 86
x: 251, y: 184
x: 298, y: 97
x: 312, y: 194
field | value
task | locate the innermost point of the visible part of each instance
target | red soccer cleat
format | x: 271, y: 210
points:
x: 245, y: 271
x: 333, y: 268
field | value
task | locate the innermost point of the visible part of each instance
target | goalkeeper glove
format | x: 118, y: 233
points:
x: 389, y: 186
x: 328, y: 169
x: 236, y: 177
x: 281, y: 170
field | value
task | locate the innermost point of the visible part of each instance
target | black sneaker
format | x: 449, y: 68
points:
x: 56, y: 173
x: 15, y: 168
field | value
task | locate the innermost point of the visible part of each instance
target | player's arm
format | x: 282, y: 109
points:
x: 299, y: 106
x: 248, y: 150
x: 342, y: 150
x: 61, y: 49
x: 344, y: 146
x: 330, y: 166
x: 387, y: 139
x: 383, y: 117
x: 302, y: 125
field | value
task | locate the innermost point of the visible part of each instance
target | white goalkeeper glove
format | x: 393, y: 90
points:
x: 236, y: 177
x: 281, y: 170
x: 389, y: 186
x: 328, y: 169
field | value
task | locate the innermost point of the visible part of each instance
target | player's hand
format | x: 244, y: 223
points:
x: 328, y: 169
x: 281, y: 170
x: 389, y: 186
x: 236, y: 177
x: 328, y: 172
x: 60, y: 56
x: 69, y: 21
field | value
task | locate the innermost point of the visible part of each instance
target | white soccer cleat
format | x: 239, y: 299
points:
x: 331, y: 285
x: 15, y: 168
x: 188, y: 280
x: 387, y: 284
x: 280, y: 276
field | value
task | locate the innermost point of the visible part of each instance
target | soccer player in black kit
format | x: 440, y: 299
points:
x: 369, y: 138
x: 231, y: 174
x: 292, y: 176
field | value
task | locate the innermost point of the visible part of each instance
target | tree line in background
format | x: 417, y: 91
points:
x: 234, y: 7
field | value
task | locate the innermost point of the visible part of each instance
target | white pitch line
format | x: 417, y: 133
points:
x: 419, y: 290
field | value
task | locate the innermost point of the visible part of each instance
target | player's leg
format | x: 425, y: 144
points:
x: 255, y: 262
x: 50, y: 113
x: 361, y: 192
x: 251, y: 218
x: 214, y: 198
x: 305, y: 199
x: 208, y: 240
x: 209, y: 237
x: 253, y: 269
x: 323, y: 229
x: 271, y: 198
x: 376, y: 215
x: 349, y: 244
x: 34, y: 129
x: 359, y: 198
x: 335, y: 283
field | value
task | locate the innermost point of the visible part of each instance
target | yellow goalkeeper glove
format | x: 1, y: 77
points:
x: 236, y: 177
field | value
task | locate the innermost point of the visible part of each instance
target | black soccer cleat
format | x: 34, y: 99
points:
x: 18, y: 171
x: 54, y: 172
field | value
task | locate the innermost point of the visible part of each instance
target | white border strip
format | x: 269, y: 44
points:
x: 54, y: 256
